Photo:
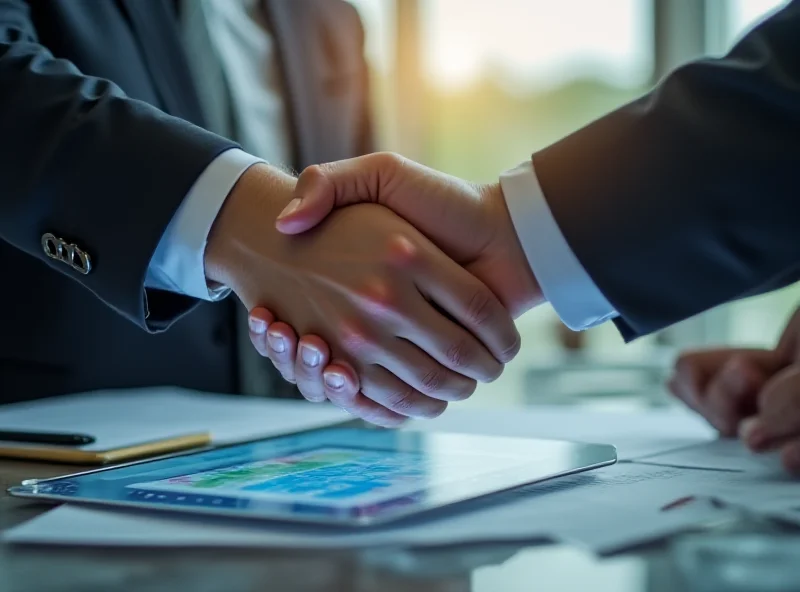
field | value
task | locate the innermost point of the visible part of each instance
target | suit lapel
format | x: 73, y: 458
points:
x: 157, y: 29
x: 284, y: 18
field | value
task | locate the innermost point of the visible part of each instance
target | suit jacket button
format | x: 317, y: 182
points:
x: 70, y: 254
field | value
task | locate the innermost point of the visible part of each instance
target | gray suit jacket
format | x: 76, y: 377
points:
x: 690, y: 196
x: 101, y: 140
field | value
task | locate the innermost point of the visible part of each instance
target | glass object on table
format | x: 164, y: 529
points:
x: 740, y: 562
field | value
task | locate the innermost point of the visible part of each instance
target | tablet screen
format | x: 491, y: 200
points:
x: 343, y: 476
x: 333, y: 476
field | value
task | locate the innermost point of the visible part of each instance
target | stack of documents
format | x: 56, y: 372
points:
x: 127, y: 424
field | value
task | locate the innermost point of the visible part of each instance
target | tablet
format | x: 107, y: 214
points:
x: 350, y: 477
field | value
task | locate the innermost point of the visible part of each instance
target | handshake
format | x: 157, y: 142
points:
x: 404, y: 302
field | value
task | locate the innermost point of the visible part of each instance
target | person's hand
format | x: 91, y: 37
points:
x: 418, y: 328
x: 469, y: 222
x: 723, y: 385
x: 305, y: 362
x: 776, y: 424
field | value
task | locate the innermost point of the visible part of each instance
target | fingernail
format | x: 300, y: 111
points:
x: 276, y: 342
x: 257, y: 325
x: 291, y: 207
x: 310, y: 356
x: 752, y: 433
x: 334, y: 380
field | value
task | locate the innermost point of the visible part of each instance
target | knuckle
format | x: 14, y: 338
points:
x: 402, y: 401
x: 432, y: 381
x: 479, y: 308
x: 387, y: 159
x: 379, y: 295
x: 402, y: 251
x: 354, y: 339
x: 459, y: 354
x: 312, y: 172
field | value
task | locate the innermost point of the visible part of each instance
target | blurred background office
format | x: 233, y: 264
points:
x: 473, y: 87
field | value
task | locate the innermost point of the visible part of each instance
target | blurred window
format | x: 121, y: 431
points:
x: 499, y: 80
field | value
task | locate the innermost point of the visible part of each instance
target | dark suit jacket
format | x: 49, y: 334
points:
x: 690, y: 196
x: 101, y: 140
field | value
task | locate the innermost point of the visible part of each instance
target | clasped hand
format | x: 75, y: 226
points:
x: 410, y: 325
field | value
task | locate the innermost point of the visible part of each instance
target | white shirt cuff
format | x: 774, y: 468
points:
x: 178, y: 263
x: 563, y: 280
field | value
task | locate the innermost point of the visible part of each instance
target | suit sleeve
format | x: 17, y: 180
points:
x: 81, y: 160
x: 690, y: 196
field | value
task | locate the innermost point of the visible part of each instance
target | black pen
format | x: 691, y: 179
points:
x: 46, y: 438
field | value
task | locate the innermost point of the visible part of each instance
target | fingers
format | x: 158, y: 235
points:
x: 341, y: 388
x: 320, y: 188
x: 731, y: 395
x: 258, y: 320
x: 276, y: 341
x: 471, y: 303
x: 778, y: 418
x: 393, y: 394
x: 282, y: 349
x: 449, y: 345
x: 693, y: 370
x: 466, y: 300
x: 313, y: 355
x: 418, y: 370
x: 722, y: 384
x: 338, y: 379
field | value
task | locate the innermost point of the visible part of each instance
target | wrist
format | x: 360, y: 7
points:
x: 258, y: 197
x: 525, y: 292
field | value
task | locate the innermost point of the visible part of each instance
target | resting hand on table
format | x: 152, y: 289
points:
x: 750, y: 392
x: 469, y: 222
x: 418, y: 328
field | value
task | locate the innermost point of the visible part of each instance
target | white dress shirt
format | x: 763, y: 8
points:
x: 563, y: 280
x: 232, y: 58
x: 245, y: 61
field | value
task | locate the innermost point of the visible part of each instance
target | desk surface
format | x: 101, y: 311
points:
x: 475, y: 569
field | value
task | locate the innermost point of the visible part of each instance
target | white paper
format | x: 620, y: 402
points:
x: 720, y: 454
x: 604, y: 510
x: 635, y: 434
x: 121, y: 418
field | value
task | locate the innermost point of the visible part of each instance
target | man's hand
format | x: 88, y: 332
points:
x: 384, y: 298
x: 724, y: 385
x: 470, y: 223
x: 776, y: 425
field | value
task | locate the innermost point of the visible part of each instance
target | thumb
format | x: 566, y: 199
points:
x: 313, y: 200
x: 321, y: 188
